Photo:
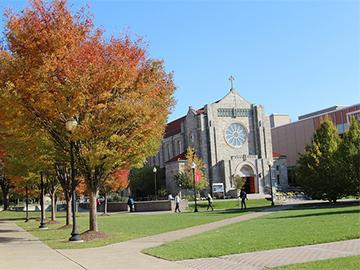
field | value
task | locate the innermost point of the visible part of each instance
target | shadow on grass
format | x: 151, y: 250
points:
x: 2, y: 220
x: 323, y: 205
x: 320, y: 214
x: 234, y: 210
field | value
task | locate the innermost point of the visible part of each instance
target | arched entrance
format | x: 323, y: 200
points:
x: 248, y: 174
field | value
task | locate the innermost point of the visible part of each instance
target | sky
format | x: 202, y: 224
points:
x: 292, y: 57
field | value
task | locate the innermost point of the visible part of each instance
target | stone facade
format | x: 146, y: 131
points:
x: 232, y: 137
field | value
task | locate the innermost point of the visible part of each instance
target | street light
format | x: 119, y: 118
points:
x: 270, y: 163
x: 27, y: 203
x: 42, y: 221
x: 154, y: 171
x: 193, y: 167
x: 70, y: 126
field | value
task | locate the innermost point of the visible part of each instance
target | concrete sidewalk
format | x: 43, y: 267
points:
x: 21, y: 250
x: 127, y: 255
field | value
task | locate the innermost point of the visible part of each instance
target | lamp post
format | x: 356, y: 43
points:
x: 154, y: 171
x: 270, y: 163
x: 42, y: 222
x: 75, y: 236
x: 27, y: 203
x: 193, y: 167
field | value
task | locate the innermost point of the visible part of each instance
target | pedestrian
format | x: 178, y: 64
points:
x: 210, y: 201
x: 131, y: 203
x: 177, y: 203
x: 243, y: 197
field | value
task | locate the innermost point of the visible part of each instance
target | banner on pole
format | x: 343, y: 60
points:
x: 197, y: 176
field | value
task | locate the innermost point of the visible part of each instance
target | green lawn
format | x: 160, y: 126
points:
x: 230, y: 204
x: 19, y: 215
x: 283, y: 229
x: 348, y: 263
x: 122, y: 227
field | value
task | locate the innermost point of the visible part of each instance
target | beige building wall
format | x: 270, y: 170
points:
x: 277, y: 120
x: 291, y: 139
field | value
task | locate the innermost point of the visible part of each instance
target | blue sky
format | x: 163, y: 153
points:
x: 293, y: 57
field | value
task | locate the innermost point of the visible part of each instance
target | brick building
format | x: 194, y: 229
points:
x: 290, y: 139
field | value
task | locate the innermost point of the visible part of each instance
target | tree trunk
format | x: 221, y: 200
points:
x: 68, y: 210
x: 53, y: 206
x: 105, y: 204
x: 92, y: 211
x: 42, y: 205
x: 5, y: 199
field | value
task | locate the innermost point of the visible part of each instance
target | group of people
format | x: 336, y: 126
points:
x: 177, y: 199
x: 242, y: 196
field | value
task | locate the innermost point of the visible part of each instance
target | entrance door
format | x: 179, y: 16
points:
x: 250, y: 185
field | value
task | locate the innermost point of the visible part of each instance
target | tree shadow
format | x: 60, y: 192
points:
x: 355, y: 211
x: 10, y: 239
x: 13, y: 219
x: 230, y: 211
x: 7, y: 231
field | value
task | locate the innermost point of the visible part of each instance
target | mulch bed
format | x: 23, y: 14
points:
x: 65, y: 227
x: 53, y: 222
x: 91, y: 235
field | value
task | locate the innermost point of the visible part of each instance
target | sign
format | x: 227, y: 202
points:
x: 218, y: 187
x: 197, y: 176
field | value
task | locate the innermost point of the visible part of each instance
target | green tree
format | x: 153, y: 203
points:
x: 239, y: 182
x: 349, y: 158
x: 317, y: 169
x: 185, y: 176
x: 142, y: 181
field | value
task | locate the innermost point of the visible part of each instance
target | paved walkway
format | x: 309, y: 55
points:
x: 277, y: 257
x: 21, y: 250
x: 127, y: 255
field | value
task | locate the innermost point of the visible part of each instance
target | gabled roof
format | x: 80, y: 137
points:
x: 174, y: 127
x: 276, y: 154
x: 181, y: 156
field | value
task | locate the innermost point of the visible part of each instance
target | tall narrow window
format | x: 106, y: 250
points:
x: 179, y: 147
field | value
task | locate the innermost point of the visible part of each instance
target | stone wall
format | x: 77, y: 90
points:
x: 165, y: 205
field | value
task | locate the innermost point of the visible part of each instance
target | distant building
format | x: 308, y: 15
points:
x: 291, y: 139
x: 277, y: 120
x: 232, y: 137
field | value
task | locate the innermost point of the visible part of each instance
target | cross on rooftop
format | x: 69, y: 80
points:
x: 232, y: 79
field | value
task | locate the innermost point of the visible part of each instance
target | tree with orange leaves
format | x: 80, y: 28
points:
x: 118, y: 180
x: 57, y: 66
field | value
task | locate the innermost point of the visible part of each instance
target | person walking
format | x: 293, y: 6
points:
x: 131, y: 203
x: 210, y: 201
x: 177, y: 203
x: 243, y: 197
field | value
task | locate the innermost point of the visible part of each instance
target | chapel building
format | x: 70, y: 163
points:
x: 232, y: 137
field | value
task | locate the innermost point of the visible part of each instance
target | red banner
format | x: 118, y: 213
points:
x: 197, y: 176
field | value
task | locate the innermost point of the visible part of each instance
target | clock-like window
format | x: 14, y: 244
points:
x: 235, y: 135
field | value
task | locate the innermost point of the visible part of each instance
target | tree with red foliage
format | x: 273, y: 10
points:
x: 57, y: 66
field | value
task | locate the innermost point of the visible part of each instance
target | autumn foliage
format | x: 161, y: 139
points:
x: 55, y: 66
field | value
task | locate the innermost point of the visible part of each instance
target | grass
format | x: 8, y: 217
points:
x: 279, y: 230
x: 19, y: 215
x: 230, y: 204
x: 122, y: 227
x: 348, y: 263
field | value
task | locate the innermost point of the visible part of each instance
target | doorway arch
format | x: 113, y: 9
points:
x: 247, y: 172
